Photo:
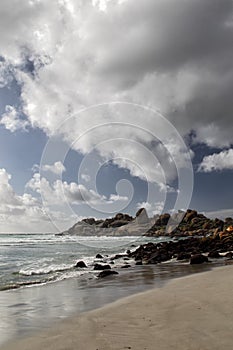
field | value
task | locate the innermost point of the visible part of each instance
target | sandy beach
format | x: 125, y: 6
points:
x: 193, y: 312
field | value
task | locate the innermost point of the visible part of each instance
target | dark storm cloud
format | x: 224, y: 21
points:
x: 165, y: 35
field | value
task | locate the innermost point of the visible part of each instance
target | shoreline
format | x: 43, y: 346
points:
x: 190, y: 312
x: 24, y: 311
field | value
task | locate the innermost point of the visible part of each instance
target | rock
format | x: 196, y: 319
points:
x: 139, y: 212
x: 89, y: 221
x: 119, y: 216
x: 230, y: 229
x: 119, y: 256
x: 183, y: 256
x: 118, y: 223
x: 190, y: 214
x: 228, y: 255
x: 81, y: 264
x: 102, y: 267
x: 106, y: 273
x: 142, y: 217
x: 125, y: 266
x: 214, y: 255
x: 124, y: 217
x: 138, y: 262
x: 99, y: 256
x: 198, y: 259
x: 162, y: 220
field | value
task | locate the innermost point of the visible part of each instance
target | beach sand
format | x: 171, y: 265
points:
x: 194, y: 312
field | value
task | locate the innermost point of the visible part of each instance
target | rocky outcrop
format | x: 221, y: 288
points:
x: 193, y: 249
x: 120, y: 225
x: 191, y: 223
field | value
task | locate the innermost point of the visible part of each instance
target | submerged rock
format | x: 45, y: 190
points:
x: 106, y: 273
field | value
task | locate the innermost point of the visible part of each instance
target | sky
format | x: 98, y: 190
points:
x: 107, y: 106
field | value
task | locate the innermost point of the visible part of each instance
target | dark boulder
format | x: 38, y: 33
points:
x: 119, y: 256
x: 89, y: 221
x: 126, y: 266
x: 189, y: 215
x: 106, y: 273
x: 162, y: 220
x: 198, y: 259
x: 138, y: 262
x: 214, y: 255
x: 81, y: 264
x: 183, y: 256
x: 102, y: 267
x: 99, y: 256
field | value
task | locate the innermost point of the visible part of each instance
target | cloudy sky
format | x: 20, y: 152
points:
x: 110, y: 105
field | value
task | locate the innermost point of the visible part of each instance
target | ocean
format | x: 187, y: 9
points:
x: 29, y: 259
x: 39, y: 283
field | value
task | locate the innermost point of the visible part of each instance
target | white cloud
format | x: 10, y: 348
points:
x: 59, y: 192
x: 11, y: 120
x: 13, y: 207
x: 217, y: 161
x: 57, y: 168
x: 116, y: 197
x: 85, y: 177
x: 24, y: 213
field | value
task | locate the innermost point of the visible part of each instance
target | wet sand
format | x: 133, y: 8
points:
x: 193, y: 312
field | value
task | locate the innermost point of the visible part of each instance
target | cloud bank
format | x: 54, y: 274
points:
x: 175, y: 56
